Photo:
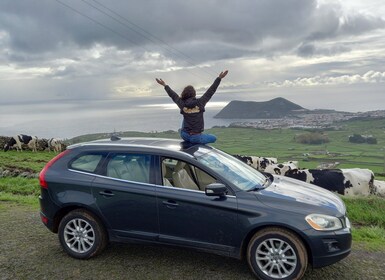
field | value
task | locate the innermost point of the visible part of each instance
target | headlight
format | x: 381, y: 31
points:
x: 347, y: 222
x: 323, y: 222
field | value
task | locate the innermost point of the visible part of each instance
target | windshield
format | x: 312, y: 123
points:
x: 234, y: 170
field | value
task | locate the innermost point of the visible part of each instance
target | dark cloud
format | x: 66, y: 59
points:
x: 240, y: 28
x: 306, y: 50
x: 358, y: 24
x: 310, y: 49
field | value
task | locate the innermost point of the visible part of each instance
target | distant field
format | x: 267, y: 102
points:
x: 281, y: 144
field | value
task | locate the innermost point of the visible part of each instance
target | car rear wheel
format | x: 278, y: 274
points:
x: 276, y: 253
x: 82, y: 235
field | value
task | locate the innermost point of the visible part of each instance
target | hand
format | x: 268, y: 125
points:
x: 223, y: 74
x: 161, y: 82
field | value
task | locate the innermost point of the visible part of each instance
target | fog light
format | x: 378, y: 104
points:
x: 331, y: 245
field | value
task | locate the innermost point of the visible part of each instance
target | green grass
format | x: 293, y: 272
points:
x: 25, y: 160
x: 369, y: 211
x: 20, y: 186
x: 280, y: 143
x: 367, y: 216
x: 371, y: 237
x: 20, y: 190
x: 31, y: 200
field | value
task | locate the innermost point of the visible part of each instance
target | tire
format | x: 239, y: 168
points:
x: 276, y: 253
x: 82, y: 235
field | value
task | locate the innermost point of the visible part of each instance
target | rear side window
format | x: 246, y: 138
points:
x: 130, y: 167
x: 86, y: 162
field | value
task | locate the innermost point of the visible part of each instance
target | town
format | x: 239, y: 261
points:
x: 316, y: 120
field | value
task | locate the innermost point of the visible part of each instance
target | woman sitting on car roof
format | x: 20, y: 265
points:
x: 192, y: 109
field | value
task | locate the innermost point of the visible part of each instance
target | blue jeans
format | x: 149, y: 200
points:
x: 198, y: 138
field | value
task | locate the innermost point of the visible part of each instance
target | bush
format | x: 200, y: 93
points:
x: 357, y: 138
x: 360, y: 139
x: 371, y: 140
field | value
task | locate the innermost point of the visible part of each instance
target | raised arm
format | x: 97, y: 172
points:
x: 223, y: 74
x: 210, y: 92
x: 161, y: 82
x: 174, y: 96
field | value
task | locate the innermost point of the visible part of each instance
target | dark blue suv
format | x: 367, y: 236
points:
x: 169, y: 192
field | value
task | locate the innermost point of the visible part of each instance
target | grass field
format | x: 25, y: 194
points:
x: 367, y: 214
x: 280, y: 143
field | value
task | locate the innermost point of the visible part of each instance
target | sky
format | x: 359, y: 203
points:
x: 69, y: 62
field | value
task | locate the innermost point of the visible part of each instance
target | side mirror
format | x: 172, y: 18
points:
x: 216, y: 189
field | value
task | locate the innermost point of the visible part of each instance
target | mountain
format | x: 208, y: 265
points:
x: 272, y: 109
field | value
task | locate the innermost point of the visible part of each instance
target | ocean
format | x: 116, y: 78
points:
x: 67, y: 119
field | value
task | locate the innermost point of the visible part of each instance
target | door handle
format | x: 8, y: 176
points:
x: 106, y: 193
x: 170, y: 203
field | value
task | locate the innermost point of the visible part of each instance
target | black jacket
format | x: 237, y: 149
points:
x: 192, y: 109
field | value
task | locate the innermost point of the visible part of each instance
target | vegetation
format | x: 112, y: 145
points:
x: 357, y: 138
x: 368, y: 220
x: 25, y: 161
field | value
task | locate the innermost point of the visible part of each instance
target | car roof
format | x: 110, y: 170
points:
x: 147, y: 143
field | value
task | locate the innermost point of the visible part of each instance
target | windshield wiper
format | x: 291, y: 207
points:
x: 254, y: 189
x: 260, y: 187
x: 266, y: 183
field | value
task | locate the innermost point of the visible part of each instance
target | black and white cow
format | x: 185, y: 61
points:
x: 18, y: 140
x: 349, y: 182
x: 259, y: 163
x: 281, y: 168
x: 55, y: 145
x: 379, y: 188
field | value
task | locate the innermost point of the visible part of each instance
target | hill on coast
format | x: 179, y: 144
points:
x: 272, y: 109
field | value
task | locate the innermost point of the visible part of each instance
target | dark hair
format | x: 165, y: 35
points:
x: 188, y: 92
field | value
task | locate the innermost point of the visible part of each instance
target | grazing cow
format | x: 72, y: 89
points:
x: 379, y: 188
x: 259, y: 163
x: 349, y: 182
x: 18, y: 140
x: 55, y: 145
x: 281, y: 168
x: 358, y: 181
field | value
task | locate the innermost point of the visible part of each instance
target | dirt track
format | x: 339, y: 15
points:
x: 29, y: 251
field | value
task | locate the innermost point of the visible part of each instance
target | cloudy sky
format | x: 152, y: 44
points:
x: 68, y: 60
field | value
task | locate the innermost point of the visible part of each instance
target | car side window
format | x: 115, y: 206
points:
x: 86, y: 162
x: 180, y: 174
x: 130, y: 167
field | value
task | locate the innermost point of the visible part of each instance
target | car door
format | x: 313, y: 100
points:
x: 189, y: 217
x: 126, y: 197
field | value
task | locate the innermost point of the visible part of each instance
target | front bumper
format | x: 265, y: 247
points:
x: 329, y: 247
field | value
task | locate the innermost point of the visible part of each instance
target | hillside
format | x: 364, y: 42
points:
x: 272, y: 109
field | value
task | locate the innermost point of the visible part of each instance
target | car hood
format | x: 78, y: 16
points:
x: 297, y: 193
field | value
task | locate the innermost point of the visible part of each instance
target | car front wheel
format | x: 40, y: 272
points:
x: 82, y: 235
x: 276, y: 253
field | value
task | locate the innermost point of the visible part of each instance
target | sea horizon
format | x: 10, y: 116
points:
x: 65, y: 119
x: 76, y: 123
